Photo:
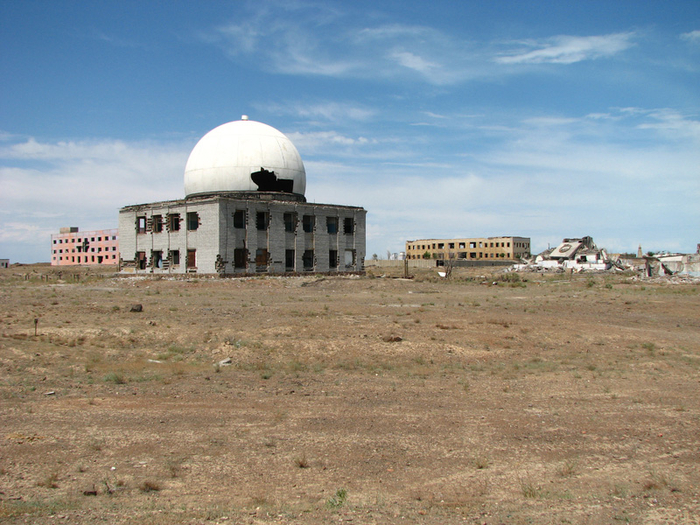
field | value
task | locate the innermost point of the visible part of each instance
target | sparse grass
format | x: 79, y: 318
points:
x: 338, y: 499
x: 529, y: 489
x: 568, y: 468
x: 481, y: 461
x: 302, y: 462
x: 118, y: 378
x: 150, y: 486
x: 49, y: 482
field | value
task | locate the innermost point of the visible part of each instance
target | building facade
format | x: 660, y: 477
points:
x: 472, y: 249
x: 73, y: 247
x: 244, y: 213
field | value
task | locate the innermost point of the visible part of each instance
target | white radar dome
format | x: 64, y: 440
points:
x: 244, y: 156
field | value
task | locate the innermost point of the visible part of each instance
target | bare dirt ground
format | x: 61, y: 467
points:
x: 561, y: 399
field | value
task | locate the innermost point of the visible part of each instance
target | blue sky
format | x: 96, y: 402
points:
x: 442, y: 119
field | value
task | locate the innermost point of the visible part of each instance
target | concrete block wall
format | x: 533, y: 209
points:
x: 216, y: 239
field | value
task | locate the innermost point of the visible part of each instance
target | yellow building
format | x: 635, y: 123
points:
x: 474, y: 249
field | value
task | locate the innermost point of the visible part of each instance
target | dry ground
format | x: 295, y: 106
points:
x: 365, y: 400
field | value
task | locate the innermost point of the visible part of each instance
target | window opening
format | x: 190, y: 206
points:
x: 157, y: 224
x: 308, y: 259
x: 140, y: 225
x: 261, y: 220
x: 191, y: 258
x: 308, y: 222
x: 349, y: 225
x: 192, y: 220
x: 239, y: 217
x: 240, y: 258
x: 174, y: 222
x: 333, y: 258
x: 332, y: 225
x: 290, y: 222
x: 157, y: 259
x: 349, y: 258
x: 289, y: 259
x: 261, y: 259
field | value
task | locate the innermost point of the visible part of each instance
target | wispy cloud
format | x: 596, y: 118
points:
x: 692, y: 37
x: 565, y: 49
x: 324, y: 111
x: 80, y: 184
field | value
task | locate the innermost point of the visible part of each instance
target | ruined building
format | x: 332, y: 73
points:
x: 244, y: 212
x: 72, y: 247
x: 473, y: 249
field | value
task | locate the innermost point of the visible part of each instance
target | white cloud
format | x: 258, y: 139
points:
x: 49, y: 185
x: 692, y: 37
x: 566, y: 49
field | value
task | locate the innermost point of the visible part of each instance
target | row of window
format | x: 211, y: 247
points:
x: 80, y: 240
x: 460, y: 255
x: 79, y: 249
x: 171, y: 222
x: 86, y: 258
x: 240, y: 259
x: 462, y: 245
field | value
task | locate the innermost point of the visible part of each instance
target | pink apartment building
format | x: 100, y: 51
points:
x: 71, y: 247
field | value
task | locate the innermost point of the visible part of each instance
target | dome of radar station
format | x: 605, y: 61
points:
x: 244, y: 156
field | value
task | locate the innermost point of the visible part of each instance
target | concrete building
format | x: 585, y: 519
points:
x: 73, y: 247
x: 244, y: 212
x: 4, y: 263
x: 472, y: 249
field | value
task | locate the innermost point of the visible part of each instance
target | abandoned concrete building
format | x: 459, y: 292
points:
x: 474, y: 249
x: 72, y: 247
x: 244, y: 212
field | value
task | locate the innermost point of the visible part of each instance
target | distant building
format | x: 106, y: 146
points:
x: 472, y: 249
x: 4, y: 263
x: 244, y: 212
x: 72, y: 247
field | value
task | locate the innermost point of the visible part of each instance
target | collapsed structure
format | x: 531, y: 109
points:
x: 244, y: 212
x: 576, y: 254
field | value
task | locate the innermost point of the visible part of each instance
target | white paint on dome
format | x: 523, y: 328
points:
x: 224, y: 159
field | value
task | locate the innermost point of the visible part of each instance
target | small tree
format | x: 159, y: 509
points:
x: 426, y: 255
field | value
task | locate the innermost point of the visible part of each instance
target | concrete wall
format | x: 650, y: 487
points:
x: 216, y: 238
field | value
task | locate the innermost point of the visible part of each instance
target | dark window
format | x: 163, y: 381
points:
x: 308, y: 259
x: 451, y: 245
x: 157, y: 224
x: 349, y: 225
x: 192, y: 220
x: 174, y: 222
x: 308, y: 223
x: 157, y: 259
x: 290, y: 222
x: 441, y: 246
x: 332, y: 258
x: 240, y: 258
x: 261, y: 219
x: 239, y: 219
x: 140, y: 224
x: 175, y: 257
x: 289, y: 259
x: 140, y: 258
x: 332, y: 224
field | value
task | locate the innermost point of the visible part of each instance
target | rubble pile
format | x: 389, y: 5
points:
x: 582, y: 255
